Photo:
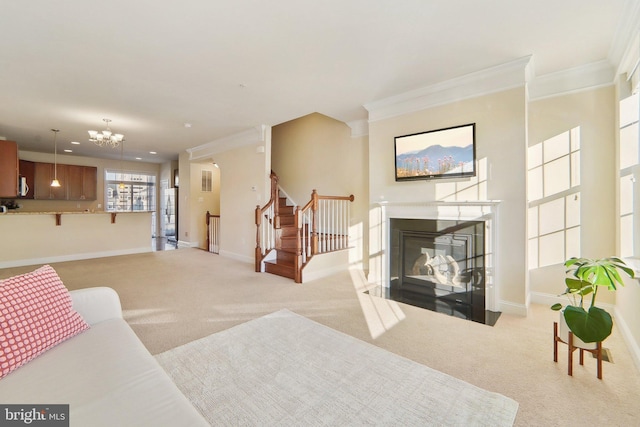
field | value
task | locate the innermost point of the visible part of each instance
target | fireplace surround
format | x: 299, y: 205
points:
x: 439, y: 256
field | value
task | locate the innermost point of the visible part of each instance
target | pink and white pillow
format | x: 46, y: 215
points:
x: 35, y: 314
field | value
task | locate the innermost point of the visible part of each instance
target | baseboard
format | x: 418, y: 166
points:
x: 632, y: 345
x: 72, y: 257
x: 184, y: 244
x: 550, y: 299
x: 509, y: 307
x: 237, y: 257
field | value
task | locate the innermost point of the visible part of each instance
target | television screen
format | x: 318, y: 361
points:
x: 440, y: 153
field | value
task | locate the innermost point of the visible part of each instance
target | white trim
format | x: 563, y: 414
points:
x: 359, y: 128
x: 589, y: 76
x: 73, y: 257
x: 626, y: 30
x: 550, y: 299
x: 247, y: 137
x: 509, y: 307
x: 632, y: 345
x: 486, y: 210
x: 185, y: 244
x: 237, y: 257
x: 495, y: 79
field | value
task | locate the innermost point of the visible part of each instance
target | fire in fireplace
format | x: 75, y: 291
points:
x: 440, y: 265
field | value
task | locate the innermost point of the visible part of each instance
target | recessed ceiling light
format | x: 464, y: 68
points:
x: 153, y: 152
x: 68, y: 151
x: 138, y: 158
x: 75, y: 142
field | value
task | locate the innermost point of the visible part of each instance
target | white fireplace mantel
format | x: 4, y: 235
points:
x: 486, y: 210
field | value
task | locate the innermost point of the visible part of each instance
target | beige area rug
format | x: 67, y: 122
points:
x: 284, y: 369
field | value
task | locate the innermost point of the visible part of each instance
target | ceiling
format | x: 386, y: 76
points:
x: 227, y: 66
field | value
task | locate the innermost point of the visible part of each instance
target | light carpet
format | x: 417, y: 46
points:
x: 284, y: 369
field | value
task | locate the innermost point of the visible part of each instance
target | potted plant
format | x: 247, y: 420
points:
x: 586, y: 277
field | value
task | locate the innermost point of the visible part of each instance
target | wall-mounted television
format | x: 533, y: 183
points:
x: 439, y: 153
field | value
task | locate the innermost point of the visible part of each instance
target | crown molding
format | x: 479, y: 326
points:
x: 626, y: 30
x: 250, y: 136
x: 359, y: 128
x: 495, y: 79
x: 589, y: 76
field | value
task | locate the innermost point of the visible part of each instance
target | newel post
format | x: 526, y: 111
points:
x: 297, y: 260
x: 314, y: 222
x: 275, y: 199
x: 208, y: 232
x: 258, y: 260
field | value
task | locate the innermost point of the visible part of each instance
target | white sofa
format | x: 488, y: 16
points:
x: 105, y: 374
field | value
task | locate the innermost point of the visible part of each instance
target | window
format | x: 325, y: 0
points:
x: 130, y: 191
x: 629, y: 169
x: 554, y: 199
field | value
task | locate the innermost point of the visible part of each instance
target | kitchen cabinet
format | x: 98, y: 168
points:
x: 76, y: 182
x: 8, y: 169
x: 43, y: 175
x: 82, y: 182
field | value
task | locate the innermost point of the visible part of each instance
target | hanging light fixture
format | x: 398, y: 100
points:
x: 106, y: 138
x: 55, y: 182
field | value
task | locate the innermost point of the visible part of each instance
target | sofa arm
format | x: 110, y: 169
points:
x: 96, y: 305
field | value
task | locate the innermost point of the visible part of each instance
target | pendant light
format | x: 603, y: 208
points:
x: 55, y: 182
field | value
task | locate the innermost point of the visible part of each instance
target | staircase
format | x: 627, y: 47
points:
x: 284, y: 263
x: 288, y: 236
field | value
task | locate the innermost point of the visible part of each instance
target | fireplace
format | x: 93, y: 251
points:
x: 439, y: 265
x: 428, y: 233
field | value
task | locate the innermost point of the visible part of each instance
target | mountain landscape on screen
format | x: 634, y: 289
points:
x: 435, y: 160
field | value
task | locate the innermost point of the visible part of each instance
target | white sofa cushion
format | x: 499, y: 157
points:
x: 107, y: 377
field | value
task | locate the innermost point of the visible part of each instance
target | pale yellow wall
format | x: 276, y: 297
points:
x: 501, y: 140
x: 594, y: 112
x: 318, y: 152
x: 202, y: 201
x: 183, y: 194
x: 244, y: 175
x: 36, y: 239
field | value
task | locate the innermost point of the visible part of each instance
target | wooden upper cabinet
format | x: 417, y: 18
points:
x: 44, y: 173
x: 82, y: 182
x: 8, y: 169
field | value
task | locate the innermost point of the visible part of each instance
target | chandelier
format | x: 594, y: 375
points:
x: 106, y: 138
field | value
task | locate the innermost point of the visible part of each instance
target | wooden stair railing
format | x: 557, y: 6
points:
x: 267, y: 222
x: 213, y: 233
x: 297, y: 234
x: 322, y: 226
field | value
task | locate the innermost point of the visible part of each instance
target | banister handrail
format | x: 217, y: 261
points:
x: 321, y: 225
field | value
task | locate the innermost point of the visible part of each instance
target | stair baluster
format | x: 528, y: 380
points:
x: 298, y: 234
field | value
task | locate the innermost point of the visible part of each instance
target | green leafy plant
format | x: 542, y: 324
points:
x: 586, y: 276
